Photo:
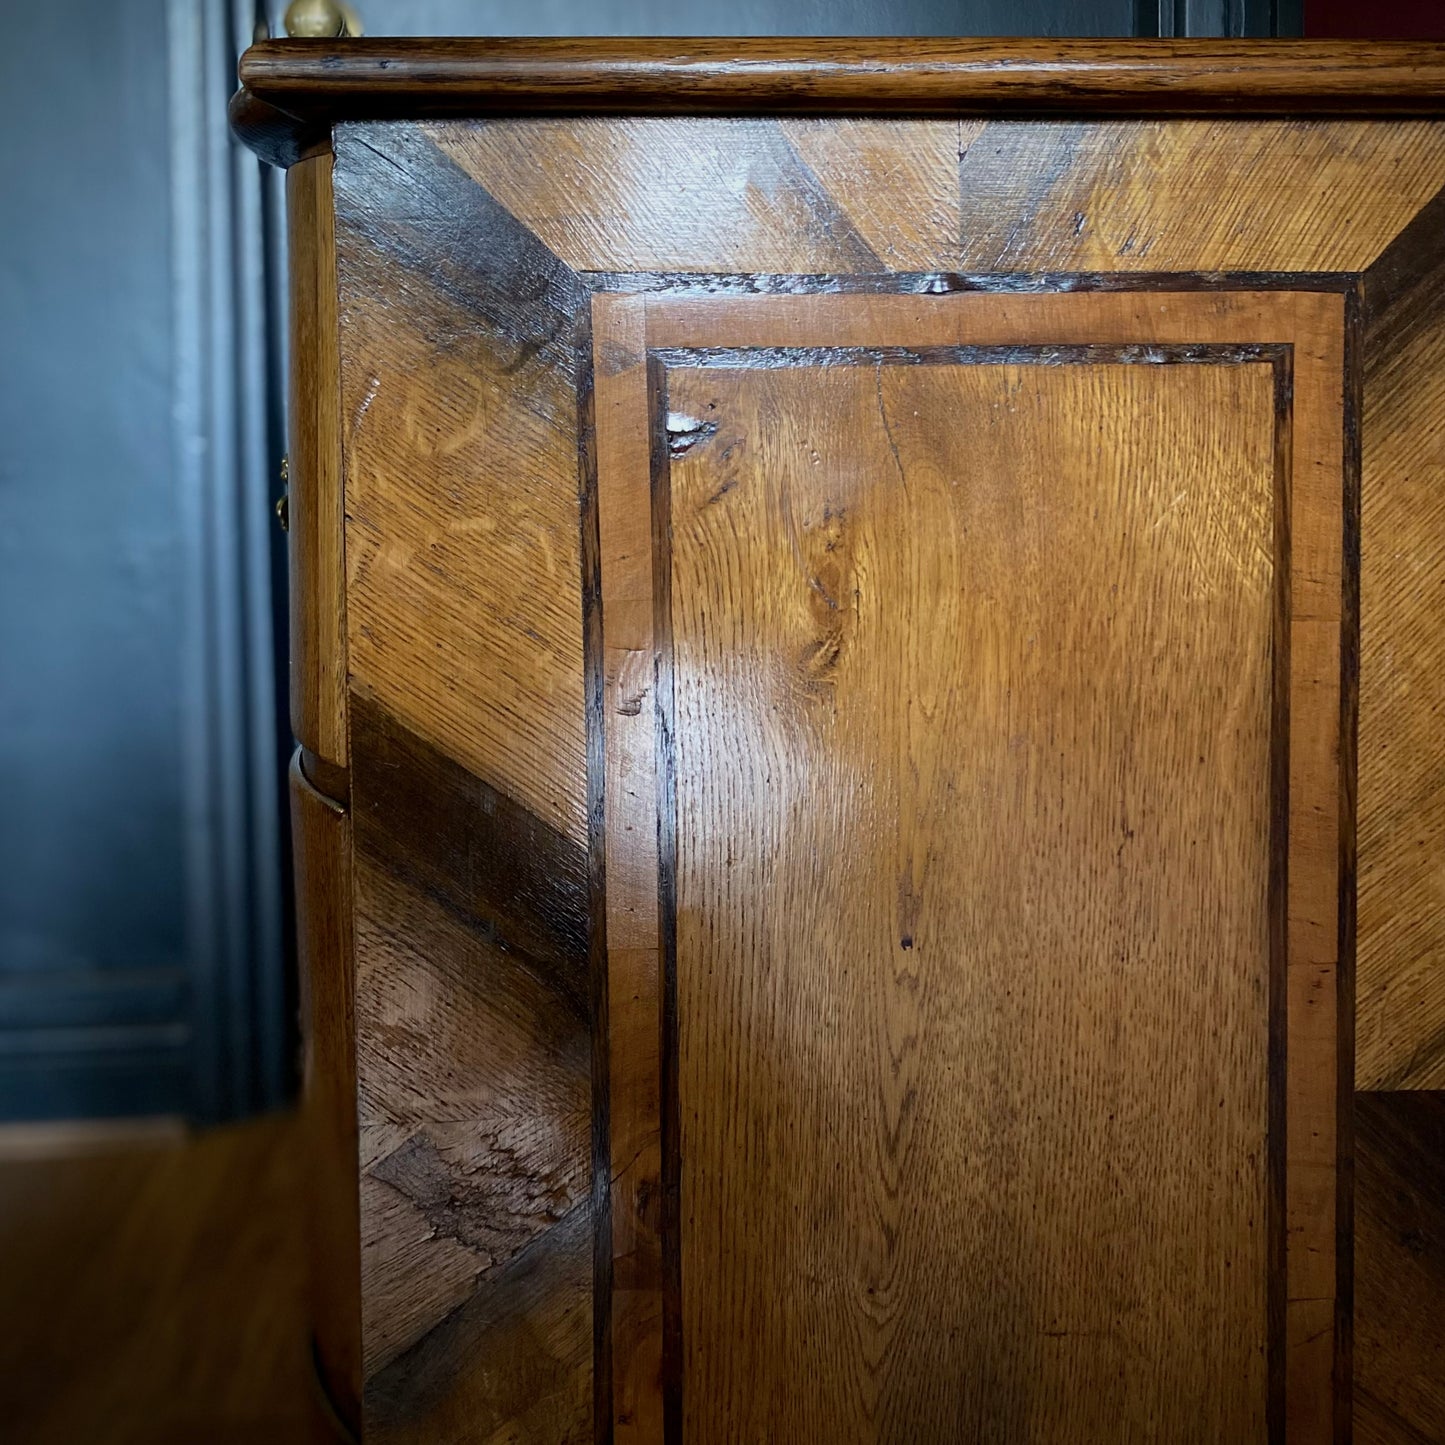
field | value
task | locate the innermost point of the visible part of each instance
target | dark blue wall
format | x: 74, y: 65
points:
x: 92, y: 892
x: 748, y: 17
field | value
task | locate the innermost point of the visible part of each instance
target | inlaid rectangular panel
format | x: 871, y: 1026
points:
x: 850, y: 720
x: 971, y: 668
x: 973, y: 788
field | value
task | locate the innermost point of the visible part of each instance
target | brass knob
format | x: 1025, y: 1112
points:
x: 322, y: 19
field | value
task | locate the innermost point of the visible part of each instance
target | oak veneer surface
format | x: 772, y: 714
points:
x: 851, y: 654
x: 1402, y: 641
x: 321, y: 835
x: 873, y: 330
x: 959, y: 875
x: 468, y: 777
x: 651, y: 193
x: 1400, y: 1268
x: 314, y: 491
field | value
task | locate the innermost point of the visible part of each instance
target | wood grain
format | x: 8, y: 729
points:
x: 358, y: 79
x: 634, y: 1310
x: 463, y: 551
x: 897, y: 181
x: 1400, y: 1268
x: 659, y: 194
x: 1401, y: 1021
x: 462, y: 397
x: 514, y: 1363
x: 602, y: 1090
x: 1312, y: 322
x: 315, y: 546
x: 1305, y: 1265
x: 741, y: 196
x: 474, y: 1059
x: 946, y: 1145
x: 1126, y: 195
x: 321, y: 843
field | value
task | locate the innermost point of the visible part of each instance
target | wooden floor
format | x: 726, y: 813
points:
x: 151, y: 1291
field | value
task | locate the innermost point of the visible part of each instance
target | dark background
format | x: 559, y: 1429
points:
x: 144, y: 913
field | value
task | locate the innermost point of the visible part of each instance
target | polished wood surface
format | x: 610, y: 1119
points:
x: 958, y: 881
x: 663, y: 437
x: 1400, y: 1262
x: 464, y: 614
x: 867, y: 334
x: 366, y: 79
x: 682, y: 194
x: 631, y: 1291
x: 469, y: 798
x: 1402, y: 667
x: 321, y: 838
x: 474, y: 1059
x: 318, y: 601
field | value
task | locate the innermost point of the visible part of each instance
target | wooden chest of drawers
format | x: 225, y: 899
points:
x: 835, y: 592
